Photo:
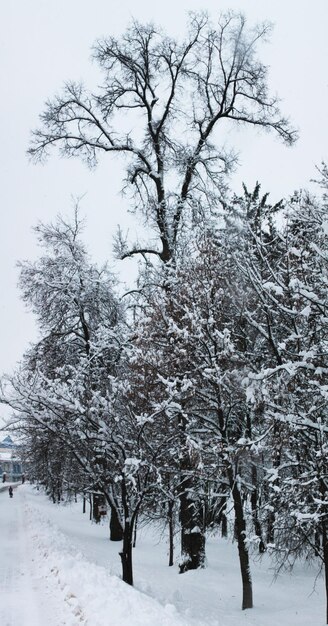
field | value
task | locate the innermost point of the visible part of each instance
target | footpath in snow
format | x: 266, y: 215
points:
x: 58, y: 569
x: 27, y: 598
x: 45, y: 580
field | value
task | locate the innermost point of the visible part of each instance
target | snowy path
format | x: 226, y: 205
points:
x: 26, y: 599
x: 56, y: 569
x: 46, y: 581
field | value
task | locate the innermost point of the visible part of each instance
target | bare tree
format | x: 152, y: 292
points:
x: 160, y: 104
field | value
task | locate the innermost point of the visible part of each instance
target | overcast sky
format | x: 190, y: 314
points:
x: 45, y: 42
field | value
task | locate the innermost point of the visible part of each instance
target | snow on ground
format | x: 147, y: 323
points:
x: 26, y: 597
x: 59, y: 569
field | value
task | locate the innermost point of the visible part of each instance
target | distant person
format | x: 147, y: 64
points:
x: 23, y: 479
x: 11, y: 493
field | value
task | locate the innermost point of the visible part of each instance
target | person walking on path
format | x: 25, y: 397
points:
x: 11, y: 493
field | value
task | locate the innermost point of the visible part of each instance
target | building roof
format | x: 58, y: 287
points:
x: 7, y: 442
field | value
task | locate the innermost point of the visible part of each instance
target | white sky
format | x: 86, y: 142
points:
x: 45, y: 42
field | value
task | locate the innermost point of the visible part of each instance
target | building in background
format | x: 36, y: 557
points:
x: 11, y: 469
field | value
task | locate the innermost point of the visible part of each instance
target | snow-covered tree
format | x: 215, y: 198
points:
x: 190, y: 348
x: 55, y: 389
x: 72, y: 392
x: 291, y: 314
x: 160, y: 104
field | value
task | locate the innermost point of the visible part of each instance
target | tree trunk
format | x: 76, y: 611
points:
x: 270, y: 527
x: 254, y: 505
x: 171, y: 531
x: 325, y: 559
x: 134, y: 543
x: 222, y: 517
x: 192, y: 533
x: 126, y: 554
x: 95, y: 508
x: 115, y: 526
x: 192, y: 537
x: 240, y: 525
x: 276, y: 461
x: 224, y: 526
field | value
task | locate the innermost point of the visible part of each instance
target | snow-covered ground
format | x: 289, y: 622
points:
x: 58, y: 569
x: 27, y: 596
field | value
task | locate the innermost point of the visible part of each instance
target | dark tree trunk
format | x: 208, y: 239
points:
x: 240, y: 526
x: 170, y: 516
x: 224, y: 525
x: 222, y: 517
x: 95, y: 508
x: 270, y: 518
x: 84, y: 504
x: 115, y: 526
x: 126, y: 554
x: 192, y: 536
x: 255, y: 505
x: 270, y: 527
x: 135, y: 533
x: 325, y: 560
x: 276, y: 461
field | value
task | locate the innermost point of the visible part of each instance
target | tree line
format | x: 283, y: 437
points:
x: 199, y: 398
